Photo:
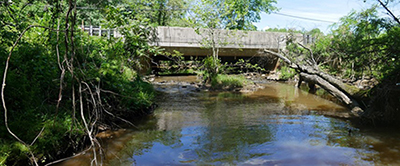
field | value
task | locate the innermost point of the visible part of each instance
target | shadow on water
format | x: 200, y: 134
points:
x: 277, y: 125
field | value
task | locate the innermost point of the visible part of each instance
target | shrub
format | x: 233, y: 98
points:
x: 286, y: 73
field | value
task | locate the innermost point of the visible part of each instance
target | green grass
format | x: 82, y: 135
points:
x: 222, y: 81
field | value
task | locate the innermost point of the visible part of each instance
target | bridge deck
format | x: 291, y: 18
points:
x: 240, y: 43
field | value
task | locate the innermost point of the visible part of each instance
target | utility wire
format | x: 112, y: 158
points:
x: 188, y: 9
x: 304, y: 18
x: 94, y: 8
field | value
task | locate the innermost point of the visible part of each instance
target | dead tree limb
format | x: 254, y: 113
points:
x: 331, y: 84
x: 311, y: 54
x: 311, y: 70
x: 342, y: 96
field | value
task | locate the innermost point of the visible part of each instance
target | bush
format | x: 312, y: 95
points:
x: 286, y: 73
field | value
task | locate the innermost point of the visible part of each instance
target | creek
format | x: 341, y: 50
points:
x: 277, y: 125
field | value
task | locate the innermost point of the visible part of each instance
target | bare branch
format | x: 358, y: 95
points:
x: 67, y: 158
x: 288, y: 61
x: 40, y: 133
x: 390, y: 12
x: 311, y: 53
x: 4, y: 83
x: 4, y: 86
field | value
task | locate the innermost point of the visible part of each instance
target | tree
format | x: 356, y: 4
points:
x: 241, y: 14
x: 356, y: 44
x: 207, y: 22
x: 158, y: 12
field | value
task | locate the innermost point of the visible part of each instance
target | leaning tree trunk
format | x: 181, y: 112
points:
x: 331, y: 84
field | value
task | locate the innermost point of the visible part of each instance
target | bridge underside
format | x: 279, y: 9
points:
x: 230, y: 52
x: 230, y: 55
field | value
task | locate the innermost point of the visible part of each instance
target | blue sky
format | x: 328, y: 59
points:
x: 328, y: 11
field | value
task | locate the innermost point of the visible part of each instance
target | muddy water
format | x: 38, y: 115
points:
x: 277, y: 125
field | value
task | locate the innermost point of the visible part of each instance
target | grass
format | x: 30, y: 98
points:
x: 223, y: 81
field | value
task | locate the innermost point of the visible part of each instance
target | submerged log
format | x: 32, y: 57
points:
x: 331, y: 84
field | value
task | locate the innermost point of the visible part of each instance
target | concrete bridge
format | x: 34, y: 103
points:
x: 237, y: 43
x: 188, y: 42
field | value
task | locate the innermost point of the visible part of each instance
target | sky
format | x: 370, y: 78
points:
x: 325, y: 13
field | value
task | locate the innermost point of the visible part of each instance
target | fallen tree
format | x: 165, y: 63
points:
x: 311, y: 74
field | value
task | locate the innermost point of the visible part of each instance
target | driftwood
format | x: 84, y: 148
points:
x: 331, y: 84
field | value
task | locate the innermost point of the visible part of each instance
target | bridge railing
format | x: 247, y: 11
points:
x: 98, y: 31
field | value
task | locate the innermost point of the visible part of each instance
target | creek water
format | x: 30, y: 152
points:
x: 277, y: 125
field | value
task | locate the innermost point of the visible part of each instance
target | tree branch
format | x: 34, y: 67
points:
x: 326, y: 81
x: 390, y: 12
x: 288, y: 61
x: 311, y: 53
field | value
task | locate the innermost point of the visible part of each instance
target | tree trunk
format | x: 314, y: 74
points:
x: 331, y: 84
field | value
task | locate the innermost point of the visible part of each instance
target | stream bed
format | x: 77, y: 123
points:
x: 277, y: 125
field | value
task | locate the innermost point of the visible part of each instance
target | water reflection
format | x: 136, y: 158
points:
x: 278, y: 125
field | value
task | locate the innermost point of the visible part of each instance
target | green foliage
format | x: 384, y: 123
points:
x: 282, y: 30
x: 159, y: 12
x: 137, y: 32
x: 209, y: 68
x: 246, y: 66
x: 222, y: 81
x: 364, y: 43
x: 232, y: 14
x: 93, y: 73
x: 286, y: 73
x: 359, y: 45
x: 176, y: 64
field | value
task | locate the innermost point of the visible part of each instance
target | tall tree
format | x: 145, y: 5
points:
x: 159, y: 12
x: 241, y: 14
x: 207, y: 21
x: 211, y: 18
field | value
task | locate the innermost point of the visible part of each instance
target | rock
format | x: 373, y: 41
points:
x: 365, y: 82
x: 274, y: 77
